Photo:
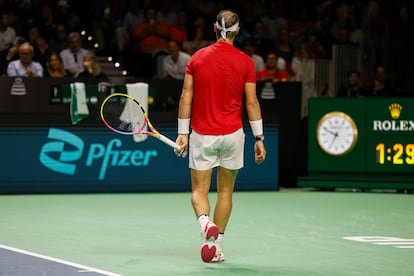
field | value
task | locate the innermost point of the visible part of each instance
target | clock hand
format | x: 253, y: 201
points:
x: 333, y: 139
x: 330, y: 131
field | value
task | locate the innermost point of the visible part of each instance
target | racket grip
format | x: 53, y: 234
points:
x: 168, y: 142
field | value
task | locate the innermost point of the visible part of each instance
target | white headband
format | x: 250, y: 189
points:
x: 223, y: 30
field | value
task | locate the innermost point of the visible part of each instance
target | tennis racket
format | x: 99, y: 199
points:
x: 123, y: 114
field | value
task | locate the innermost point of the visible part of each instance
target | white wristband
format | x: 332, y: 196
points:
x: 183, y: 126
x: 257, y: 127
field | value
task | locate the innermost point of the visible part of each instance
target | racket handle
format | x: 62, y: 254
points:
x: 168, y: 142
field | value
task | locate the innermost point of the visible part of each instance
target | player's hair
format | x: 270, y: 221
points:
x: 230, y: 19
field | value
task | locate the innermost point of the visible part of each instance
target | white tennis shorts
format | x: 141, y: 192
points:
x: 209, y: 151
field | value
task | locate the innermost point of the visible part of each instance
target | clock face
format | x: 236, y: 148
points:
x: 336, y: 133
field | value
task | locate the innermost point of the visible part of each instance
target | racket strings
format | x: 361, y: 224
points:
x: 124, y: 115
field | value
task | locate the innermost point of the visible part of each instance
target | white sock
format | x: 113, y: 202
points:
x: 218, y: 242
x: 202, y: 220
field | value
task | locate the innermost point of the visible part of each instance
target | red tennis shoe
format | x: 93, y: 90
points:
x: 209, y: 235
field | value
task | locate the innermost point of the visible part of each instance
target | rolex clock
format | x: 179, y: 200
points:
x: 336, y: 133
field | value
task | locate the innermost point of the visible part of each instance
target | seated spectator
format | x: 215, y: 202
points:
x: 302, y: 70
x: 250, y: 49
x: 196, y: 42
x: 178, y: 31
x: 271, y: 72
x: 263, y: 44
x: 55, y: 67
x: 25, y: 66
x: 174, y: 64
x: 91, y: 68
x: 151, y: 34
x: 381, y: 86
x: 324, y: 36
x: 9, y: 54
x: 132, y: 17
x: 353, y: 87
x: 7, y: 33
x: 165, y: 12
x: 243, y: 35
x: 74, y: 22
x: 73, y: 55
x: 46, y: 20
x: 147, y: 37
x: 343, y: 37
x: 274, y: 19
x: 284, y: 46
x: 299, y: 62
x: 32, y: 34
x: 41, y: 51
x: 62, y: 9
x: 59, y: 40
x: 315, y: 46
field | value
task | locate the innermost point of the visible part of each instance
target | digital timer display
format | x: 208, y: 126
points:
x: 396, y: 154
x: 390, y: 154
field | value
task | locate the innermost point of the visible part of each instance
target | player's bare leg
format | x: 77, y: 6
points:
x: 225, y: 186
x: 200, y: 181
x: 199, y: 198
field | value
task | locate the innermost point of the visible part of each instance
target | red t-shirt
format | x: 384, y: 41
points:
x: 220, y: 72
x: 178, y: 34
x: 151, y: 41
x: 277, y: 75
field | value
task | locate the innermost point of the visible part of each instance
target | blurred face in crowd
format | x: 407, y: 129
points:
x: 75, y: 43
x: 55, y: 62
x: 250, y: 49
x: 343, y: 35
x: 90, y: 64
x: 41, y: 42
x: 259, y: 29
x: 271, y: 61
x: 88, y: 61
x: 199, y: 34
x: 61, y: 32
x: 173, y: 49
x: 304, y: 51
x: 26, y: 54
x: 182, y: 18
x: 353, y: 79
x: 284, y: 35
x: 47, y: 13
x: 5, y: 20
x: 380, y: 73
x: 33, y: 34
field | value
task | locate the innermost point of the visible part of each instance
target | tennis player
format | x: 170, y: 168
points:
x: 216, y: 80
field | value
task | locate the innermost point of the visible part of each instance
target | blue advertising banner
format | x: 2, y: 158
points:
x: 43, y: 160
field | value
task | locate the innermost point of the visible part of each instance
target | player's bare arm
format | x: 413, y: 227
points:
x: 184, y: 113
x: 254, y: 115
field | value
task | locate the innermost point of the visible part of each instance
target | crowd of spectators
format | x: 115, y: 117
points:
x: 43, y: 39
x: 135, y: 31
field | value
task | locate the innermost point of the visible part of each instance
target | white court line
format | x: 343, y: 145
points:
x: 394, y: 243
x: 82, y: 267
